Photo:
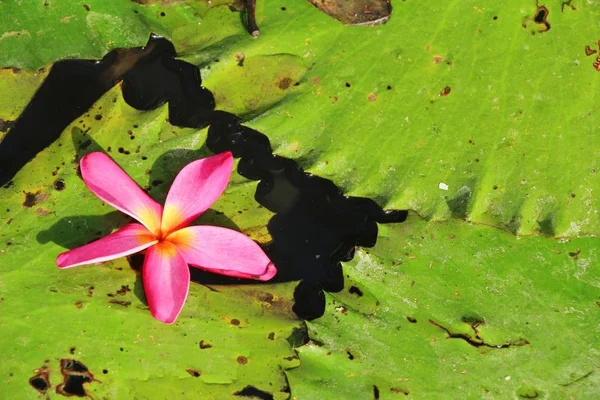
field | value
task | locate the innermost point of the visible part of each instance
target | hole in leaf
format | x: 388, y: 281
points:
x: 59, y: 184
x: 356, y: 291
x: 41, y: 380
x: 75, y: 375
x: 375, y: 392
x: 540, y: 18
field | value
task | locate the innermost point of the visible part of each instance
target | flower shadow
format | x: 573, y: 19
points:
x: 167, y: 166
x: 77, y: 230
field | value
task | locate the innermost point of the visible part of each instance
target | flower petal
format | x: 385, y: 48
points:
x: 128, y: 240
x: 270, y: 272
x: 195, y: 189
x: 111, y: 184
x: 166, y: 279
x: 223, y: 251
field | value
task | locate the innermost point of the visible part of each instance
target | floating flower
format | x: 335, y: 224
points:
x: 169, y: 242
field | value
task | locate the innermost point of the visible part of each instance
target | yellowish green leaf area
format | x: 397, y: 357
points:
x: 465, y: 113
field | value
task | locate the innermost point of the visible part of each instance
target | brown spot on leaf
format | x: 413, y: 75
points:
x: 437, y: 59
x: 356, y: 12
x: 120, y: 292
x: 239, y: 58
x: 193, y: 372
x: 204, y: 345
x: 285, y: 83
x: 266, y: 297
x: 589, y: 51
x: 398, y: 389
x: 372, y: 97
x: 42, y: 211
x: 280, y: 305
x: 575, y: 254
x: 445, y: 91
x: 235, y: 322
x: 124, y: 303
x: 31, y: 199
x: 242, y: 360
x: 79, y: 304
x: 66, y: 19
x: 342, y: 309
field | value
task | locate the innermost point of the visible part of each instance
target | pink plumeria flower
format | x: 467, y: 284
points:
x: 164, y: 233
